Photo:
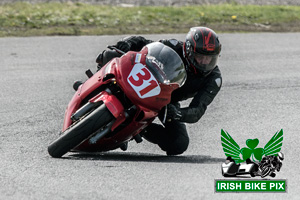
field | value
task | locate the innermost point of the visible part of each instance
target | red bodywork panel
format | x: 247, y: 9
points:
x: 138, y: 84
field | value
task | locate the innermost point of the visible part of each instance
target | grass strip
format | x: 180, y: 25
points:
x: 25, y: 19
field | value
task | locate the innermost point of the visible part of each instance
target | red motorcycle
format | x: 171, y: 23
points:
x: 115, y: 104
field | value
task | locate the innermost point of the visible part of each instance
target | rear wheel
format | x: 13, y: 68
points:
x: 77, y: 133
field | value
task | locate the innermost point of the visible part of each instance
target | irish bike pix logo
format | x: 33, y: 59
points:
x: 251, y: 161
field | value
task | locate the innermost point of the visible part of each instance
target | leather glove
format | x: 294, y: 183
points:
x: 99, y: 58
x: 123, y: 45
x: 173, y: 113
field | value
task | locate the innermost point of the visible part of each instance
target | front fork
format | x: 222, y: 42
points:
x: 113, y: 105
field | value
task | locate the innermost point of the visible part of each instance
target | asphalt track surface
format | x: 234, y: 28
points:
x: 260, y: 96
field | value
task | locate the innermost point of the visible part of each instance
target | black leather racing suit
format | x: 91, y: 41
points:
x: 173, y: 137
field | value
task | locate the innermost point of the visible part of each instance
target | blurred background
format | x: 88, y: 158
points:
x: 113, y: 17
x: 167, y: 2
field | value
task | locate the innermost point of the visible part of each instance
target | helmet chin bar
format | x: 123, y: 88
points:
x: 199, y: 71
x: 203, y: 69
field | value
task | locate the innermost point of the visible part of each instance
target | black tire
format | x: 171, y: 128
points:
x: 73, y: 136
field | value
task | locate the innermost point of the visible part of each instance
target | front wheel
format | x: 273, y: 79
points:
x: 77, y: 133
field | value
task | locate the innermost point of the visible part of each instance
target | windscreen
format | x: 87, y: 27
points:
x: 165, y: 64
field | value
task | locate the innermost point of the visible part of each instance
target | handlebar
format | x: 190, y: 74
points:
x: 116, y: 49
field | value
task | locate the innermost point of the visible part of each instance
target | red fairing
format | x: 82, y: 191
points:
x: 72, y: 107
x: 140, y: 86
x: 85, y: 89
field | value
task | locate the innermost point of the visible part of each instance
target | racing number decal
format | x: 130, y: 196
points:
x: 143, y: 82
x: 141, y: 77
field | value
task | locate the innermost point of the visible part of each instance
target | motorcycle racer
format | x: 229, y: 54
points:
x: 199, y: 53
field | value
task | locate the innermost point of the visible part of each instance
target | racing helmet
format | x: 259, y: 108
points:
x: 202, y: 49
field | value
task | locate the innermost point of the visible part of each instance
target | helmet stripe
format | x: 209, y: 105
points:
x: 202, y: 37
x: 194, y: 42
